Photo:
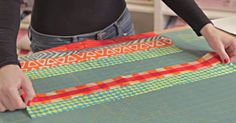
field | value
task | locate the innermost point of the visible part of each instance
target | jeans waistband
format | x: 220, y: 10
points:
x: 98, y: 35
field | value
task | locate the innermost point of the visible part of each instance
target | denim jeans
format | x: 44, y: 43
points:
x: 123, y: 26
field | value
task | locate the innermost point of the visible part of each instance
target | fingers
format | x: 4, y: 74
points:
x: 8, y: 105
x: 223, y: 54
x: 12, y: 100
x: 232, y: 55
x: 15, y: 99
x: 4, y: 100
x: 2, y: 107
x: 28, y: 90
x: 231, y: 50
x: 233, y: 59
x: 219, y: 41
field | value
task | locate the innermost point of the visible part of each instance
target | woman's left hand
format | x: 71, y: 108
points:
x: 224, y: 44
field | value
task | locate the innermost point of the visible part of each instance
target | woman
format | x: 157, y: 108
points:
x: 57, y: 22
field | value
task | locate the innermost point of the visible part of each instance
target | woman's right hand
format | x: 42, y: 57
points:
x: 12, y: 80
x: 222, y: 43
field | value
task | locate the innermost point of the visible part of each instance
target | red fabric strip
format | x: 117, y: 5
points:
x: 89, y: 43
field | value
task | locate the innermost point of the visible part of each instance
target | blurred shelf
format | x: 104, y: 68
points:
x: 162, y: 13
x: 143, y: 6
x: 141, y: 2
x: 140, y: 8
x: 212, y: 14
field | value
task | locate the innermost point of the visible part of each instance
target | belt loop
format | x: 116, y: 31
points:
x: 74, y: 39
x: 29, y: 33
x: 100, y: 35
x: 118, y: 29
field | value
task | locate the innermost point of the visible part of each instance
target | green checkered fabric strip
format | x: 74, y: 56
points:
x: 102, y: 62
x: 129, y: 91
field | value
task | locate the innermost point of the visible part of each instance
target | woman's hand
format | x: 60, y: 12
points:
x: 224, y: 44
x: 12, y: 79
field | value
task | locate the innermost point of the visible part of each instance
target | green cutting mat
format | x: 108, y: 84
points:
x: 207, y: 101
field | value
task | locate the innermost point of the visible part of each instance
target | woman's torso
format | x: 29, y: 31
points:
x: 73, y: 17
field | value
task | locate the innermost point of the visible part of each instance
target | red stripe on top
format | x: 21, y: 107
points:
x: 89, y: 43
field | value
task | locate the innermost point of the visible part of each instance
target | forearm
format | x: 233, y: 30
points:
x: 189, y: 11
x: 9, y: 25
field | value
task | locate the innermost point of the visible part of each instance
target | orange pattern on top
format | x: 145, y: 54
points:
x: 28, y: 66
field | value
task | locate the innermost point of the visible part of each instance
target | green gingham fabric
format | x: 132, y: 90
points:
x: 102, y: 62
x: 129, y: 91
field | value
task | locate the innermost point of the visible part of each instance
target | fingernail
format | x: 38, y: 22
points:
x: 226, y: 61
x: 23, y: 95
x: 28, y: 103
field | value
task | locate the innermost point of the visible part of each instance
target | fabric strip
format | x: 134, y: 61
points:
x: 28, y: 66
x: 205, y: 62
x: 96, y: 43
x: 102, y: 62
x: 55, y: 54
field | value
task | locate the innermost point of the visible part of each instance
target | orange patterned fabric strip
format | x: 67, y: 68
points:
x: 28, y: 66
